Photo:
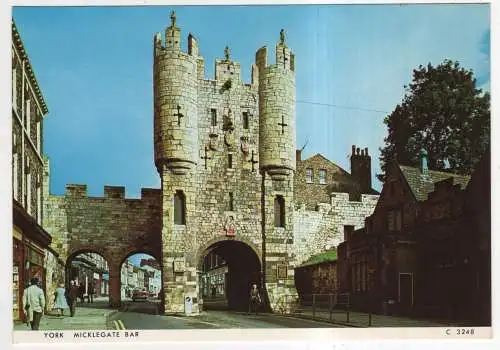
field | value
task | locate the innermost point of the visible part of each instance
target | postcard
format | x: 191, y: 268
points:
x: 245, y: 171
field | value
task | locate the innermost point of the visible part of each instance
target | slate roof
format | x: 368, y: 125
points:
x: 421, y: 185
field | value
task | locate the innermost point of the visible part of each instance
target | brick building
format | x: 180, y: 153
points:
x: 32, y: 254
x: 382, y: 262
x: 317, y: 178
x: 455, y: 250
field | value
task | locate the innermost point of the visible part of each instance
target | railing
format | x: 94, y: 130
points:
x: 332, y: 307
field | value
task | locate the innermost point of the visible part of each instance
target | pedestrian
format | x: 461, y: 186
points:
x: 91, y: 292
x: 81, y: 291
x: 60, y: 302
x: 34, y: 303
x: 71, y: 296
x: 255, y: 299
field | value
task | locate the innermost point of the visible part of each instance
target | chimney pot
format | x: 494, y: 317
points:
x: 366, y: 151
x: 423, y: 161
x: 357, y: 151
x: 353, y: 149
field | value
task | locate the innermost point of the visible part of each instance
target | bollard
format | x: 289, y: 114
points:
x: 347, y: 316
x: 331, y: 306
x: 370, y: 319
x: 314, y: 305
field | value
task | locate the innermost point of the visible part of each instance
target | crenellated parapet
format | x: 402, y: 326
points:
x: 76, y: 191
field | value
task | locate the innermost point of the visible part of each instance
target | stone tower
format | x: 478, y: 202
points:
x: 175, y: 102
x: 225, y: 152
x: 277, y: 141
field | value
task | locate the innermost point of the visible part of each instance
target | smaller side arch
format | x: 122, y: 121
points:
x: 134, y: 251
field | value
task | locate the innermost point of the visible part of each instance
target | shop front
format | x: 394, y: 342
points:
x: 30, y: 241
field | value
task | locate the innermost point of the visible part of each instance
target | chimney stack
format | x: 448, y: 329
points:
x: 298, y: 155
x: 361, y: 168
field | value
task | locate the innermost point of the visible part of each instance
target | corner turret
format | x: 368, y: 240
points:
x: 175, y: 102
x: 277, y: 137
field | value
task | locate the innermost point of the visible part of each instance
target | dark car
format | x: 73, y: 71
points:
x: 140, y: 295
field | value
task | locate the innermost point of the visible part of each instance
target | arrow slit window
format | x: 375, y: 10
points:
x: 279, y: 211
x: 179, y: 208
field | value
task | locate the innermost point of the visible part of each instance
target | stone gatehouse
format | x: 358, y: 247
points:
x: 225, y: 152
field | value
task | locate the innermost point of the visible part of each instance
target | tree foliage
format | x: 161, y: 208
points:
x: 443, y: 112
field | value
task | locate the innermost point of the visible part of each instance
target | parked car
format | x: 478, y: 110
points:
x: 140, y: 295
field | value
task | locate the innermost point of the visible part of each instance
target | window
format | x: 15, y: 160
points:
x: 245, y: 120
x: 230, y: 161
x: 279, y: 211
x: 309, y: 176
x: 394, y: 220
x: 14, y: 88
x: 322, y: 177
x: 15, y: 165
x: 179, y: 208
x: 39, y: 203
x: 38, y: 136
x: 28, y: 193
x: 214, y: 116
x: 28, y: 116
x: 231, y: 201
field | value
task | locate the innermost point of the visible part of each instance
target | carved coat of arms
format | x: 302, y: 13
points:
x: 245, y: 148
x: 230, y: 227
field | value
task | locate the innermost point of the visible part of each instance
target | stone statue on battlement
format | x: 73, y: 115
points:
x: 282, y: 37
x: 173, y: 18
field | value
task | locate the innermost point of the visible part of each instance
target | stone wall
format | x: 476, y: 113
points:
x: 113, y: 226
x: 54, y: 274
x: 317, y: 279
x: 322, y: 229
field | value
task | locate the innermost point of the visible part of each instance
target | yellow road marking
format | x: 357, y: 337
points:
x: 122, y: 326
x: 116, y: 324
x: 187, y: 319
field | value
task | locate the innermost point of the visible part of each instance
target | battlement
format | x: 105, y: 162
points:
x: 111, y: 192
x: 337, y: 197
x: 225, y: 69
x: 115, y: 192
x: 285, y: 58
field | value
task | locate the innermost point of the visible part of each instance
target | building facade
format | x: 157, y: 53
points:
x: 32, y: 254
x: 90, y: 269
x: 380, y: 264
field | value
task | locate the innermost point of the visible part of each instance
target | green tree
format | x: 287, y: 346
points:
x: 443, y: 112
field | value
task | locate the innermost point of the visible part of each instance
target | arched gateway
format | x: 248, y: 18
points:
x: 225, y: 153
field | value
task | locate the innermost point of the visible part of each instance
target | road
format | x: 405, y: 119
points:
x: 144, y: 315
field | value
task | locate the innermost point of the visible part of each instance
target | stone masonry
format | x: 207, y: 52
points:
x: 323, y: 229
x: 225, y: 154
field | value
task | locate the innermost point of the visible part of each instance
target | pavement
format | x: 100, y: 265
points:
x: 87, y: 316
x: 145, y: 315
x: 362, y: 319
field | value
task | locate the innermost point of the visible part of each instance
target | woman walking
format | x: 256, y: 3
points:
x: 60, y: 299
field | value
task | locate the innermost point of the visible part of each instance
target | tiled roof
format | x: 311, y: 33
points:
x: 423, y: 184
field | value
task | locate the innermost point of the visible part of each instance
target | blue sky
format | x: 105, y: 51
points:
x: 94, y: 66
x: 136, y: 258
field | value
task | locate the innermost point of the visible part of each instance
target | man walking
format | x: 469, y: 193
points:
x: 255, y: 299
x: 91, y: 292
x: 72, y: 295
x: 34, y: 303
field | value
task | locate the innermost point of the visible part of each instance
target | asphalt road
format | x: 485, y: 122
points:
x: 144, y: 315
